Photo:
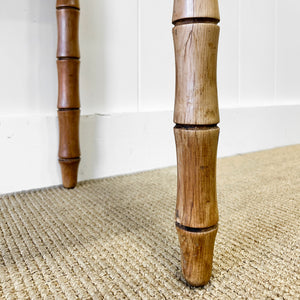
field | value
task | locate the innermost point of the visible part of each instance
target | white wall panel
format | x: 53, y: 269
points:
x: 157, y: 66
x: 27, y: 57
x: 228, y: 55
x: 257, y: 53
x: 126, y: 143
x: 288, y: 52
x: 108, y: 36
x: 109, y: 50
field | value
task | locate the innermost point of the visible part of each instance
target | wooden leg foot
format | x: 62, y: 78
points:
x: 196, y: 208
x: 197, y: 254
x: 69, y: 168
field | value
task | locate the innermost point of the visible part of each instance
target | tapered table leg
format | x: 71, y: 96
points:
x: 196, y: 115
x: 68, y: 55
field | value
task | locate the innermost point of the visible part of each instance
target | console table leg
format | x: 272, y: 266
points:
x: 196, y: 115
x: 68, y: 62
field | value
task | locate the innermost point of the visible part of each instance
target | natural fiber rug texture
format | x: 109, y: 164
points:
x: 115, y: 238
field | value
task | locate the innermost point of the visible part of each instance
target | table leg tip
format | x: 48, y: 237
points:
x: 197, y: 255
x: 69, y: 171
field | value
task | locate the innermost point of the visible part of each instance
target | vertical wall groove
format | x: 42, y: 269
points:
x: 239, y: 53
x: 138, y: 55
x: 275, y: 50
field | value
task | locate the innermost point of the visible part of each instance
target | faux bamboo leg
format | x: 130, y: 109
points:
x: 196, y: 115
x: 68, y: 55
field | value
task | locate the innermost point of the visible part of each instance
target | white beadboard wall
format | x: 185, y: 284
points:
x: 127, y: 85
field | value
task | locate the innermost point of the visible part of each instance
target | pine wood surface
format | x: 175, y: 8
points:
x: 196, y: 114
x: 196, y: 177
x: 196, y: 99
x: 184, y: 9
x: 197, y: 255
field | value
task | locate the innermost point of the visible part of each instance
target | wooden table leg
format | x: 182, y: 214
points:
x: 196, y: 115
x: 68, y: 55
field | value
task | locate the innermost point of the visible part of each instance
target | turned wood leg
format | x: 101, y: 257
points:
x: 196, y: 115
x: 68, y: 55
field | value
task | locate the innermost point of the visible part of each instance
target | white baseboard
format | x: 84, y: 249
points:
x: 131, y: 142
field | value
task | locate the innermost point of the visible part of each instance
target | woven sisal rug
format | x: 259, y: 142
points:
x: 115, y: 238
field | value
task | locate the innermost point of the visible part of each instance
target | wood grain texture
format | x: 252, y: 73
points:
x: 196, y: 114
x: 197, y: 255
x: 196, y: 176
x: 68, y: 83
x: 68, y: 30
x: 184, y: 9
x: 196, y: 96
